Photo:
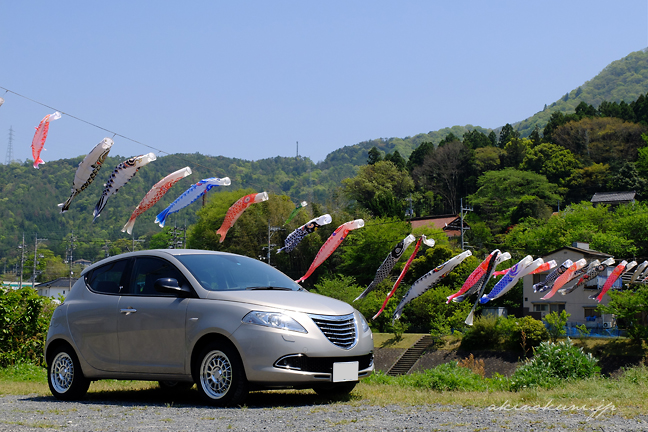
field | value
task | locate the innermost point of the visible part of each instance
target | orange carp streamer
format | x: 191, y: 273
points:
x: 40, y: 136
x: 237, y: 210
x: 331, y: 244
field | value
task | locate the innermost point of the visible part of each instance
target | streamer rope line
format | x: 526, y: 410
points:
x: 106, y: 130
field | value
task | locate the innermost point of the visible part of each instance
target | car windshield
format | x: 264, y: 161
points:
x: 235, y: 272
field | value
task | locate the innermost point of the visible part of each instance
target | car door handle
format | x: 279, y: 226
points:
x: 128, y: 311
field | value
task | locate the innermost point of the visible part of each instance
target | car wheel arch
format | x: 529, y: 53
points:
x: 54, y: 345
x: 206, y: 340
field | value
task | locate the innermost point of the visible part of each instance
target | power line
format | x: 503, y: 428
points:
x: 106, y: 130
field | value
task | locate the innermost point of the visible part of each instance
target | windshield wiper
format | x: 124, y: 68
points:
x: 268, y: 288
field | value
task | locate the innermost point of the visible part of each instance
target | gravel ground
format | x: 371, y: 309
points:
x: 279, y: 412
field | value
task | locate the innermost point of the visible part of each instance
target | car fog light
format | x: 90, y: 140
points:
x: 292, y: 362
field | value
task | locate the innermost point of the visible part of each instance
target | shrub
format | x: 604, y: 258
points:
x: 556, y: 324
x: 552, y: 364
x: 475, y: 365
x: 24, y: 318
x: 523, y: 333
x: 499, y: 333
x: 484, y: 334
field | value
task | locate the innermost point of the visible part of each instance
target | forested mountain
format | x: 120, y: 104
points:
x: 621, y: 81
x: 589, y: 141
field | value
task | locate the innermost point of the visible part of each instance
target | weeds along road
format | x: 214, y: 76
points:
x: 284, y: 412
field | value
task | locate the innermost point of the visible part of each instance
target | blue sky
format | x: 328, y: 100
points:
x: 248, y: 79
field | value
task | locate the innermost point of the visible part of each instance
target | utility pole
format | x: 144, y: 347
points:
x: 22, y: 259
x: 34, y: 274
x: 297, y: 149
x: 410, y: 211
x: 70, y: 254
x: 175, y: 241
x: 466, y: 209
x: 271, y: 230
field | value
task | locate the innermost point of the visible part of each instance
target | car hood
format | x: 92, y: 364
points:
x: 298, y: 301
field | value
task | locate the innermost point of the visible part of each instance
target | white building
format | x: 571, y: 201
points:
x: 582, y: 310
x: 56, y: 287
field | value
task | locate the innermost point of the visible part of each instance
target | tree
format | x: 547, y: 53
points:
x: 448, y: 139
x: 583, y: 183
x: 535, y: 136
x: 515, y: 151
x: 475, y: 139
x: 374, y: 156
x: 506, y: 134
x: 622, y: 232
x: 379, y: 184
x: 530, y: 206
x: 443, y: 171
x: 601, y: 140
x: 631, y: 310
x: 553, y: 161
x: 418, y: 155
x: 628, y: 179
x: 556, y: 323
x: 396, y: 159
x: 492, y: 137
x: 501, y: 191
x: 487, y: 159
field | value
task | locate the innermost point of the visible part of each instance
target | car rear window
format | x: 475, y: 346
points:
x: 235, y: 272
x: 106, y: 279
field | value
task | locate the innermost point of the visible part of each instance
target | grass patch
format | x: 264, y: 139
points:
x: 388, y: 340
x: 450, y: 385
x: 611, y: 347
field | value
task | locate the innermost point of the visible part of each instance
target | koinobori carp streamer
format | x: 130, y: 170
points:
x: 154, y: 195
x: 295, y: 237
x: 119, y: 177
x: 237, y: 210
x: 189, y: 196
x: 88, y: 169
x: 429, y: 280
x: 388, y: 264
x: 331, y: 244
x: 400, y: 278
x: 38, y: 142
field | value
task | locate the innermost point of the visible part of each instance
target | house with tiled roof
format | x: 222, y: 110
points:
x: 450, y: 224
x: 56, y: 287
x: 613, y: 198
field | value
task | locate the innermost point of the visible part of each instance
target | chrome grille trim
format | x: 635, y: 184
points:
x: 341, y: 331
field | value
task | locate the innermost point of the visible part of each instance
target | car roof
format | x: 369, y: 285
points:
x: 154, y: 252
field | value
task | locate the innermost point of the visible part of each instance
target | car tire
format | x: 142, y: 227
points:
x: 64, y: 375
x: 175, y: 386
x: 335, y: 390
x: 219, y: 375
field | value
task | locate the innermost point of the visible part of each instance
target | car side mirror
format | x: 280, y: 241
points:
x: 171, y: 286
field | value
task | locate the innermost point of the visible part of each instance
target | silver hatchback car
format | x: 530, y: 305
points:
x: 227, y: 323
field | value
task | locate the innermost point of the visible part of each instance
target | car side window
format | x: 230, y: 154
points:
x: 147, y: 270
x: 106, y: 279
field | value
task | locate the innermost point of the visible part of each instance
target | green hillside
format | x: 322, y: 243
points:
x: 622, y: 80
x: 29, y: 197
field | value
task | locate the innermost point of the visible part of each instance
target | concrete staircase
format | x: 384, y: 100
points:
x: 409, y: 357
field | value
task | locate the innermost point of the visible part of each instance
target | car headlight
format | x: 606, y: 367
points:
x: 365, y: 324
x: 276, y: 320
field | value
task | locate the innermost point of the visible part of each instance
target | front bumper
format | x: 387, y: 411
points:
x: 311, y: 355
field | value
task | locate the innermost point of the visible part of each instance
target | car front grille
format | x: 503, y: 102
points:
x: 340, y: 330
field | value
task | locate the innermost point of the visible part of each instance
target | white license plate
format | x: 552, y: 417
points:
x: 347, y: 371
